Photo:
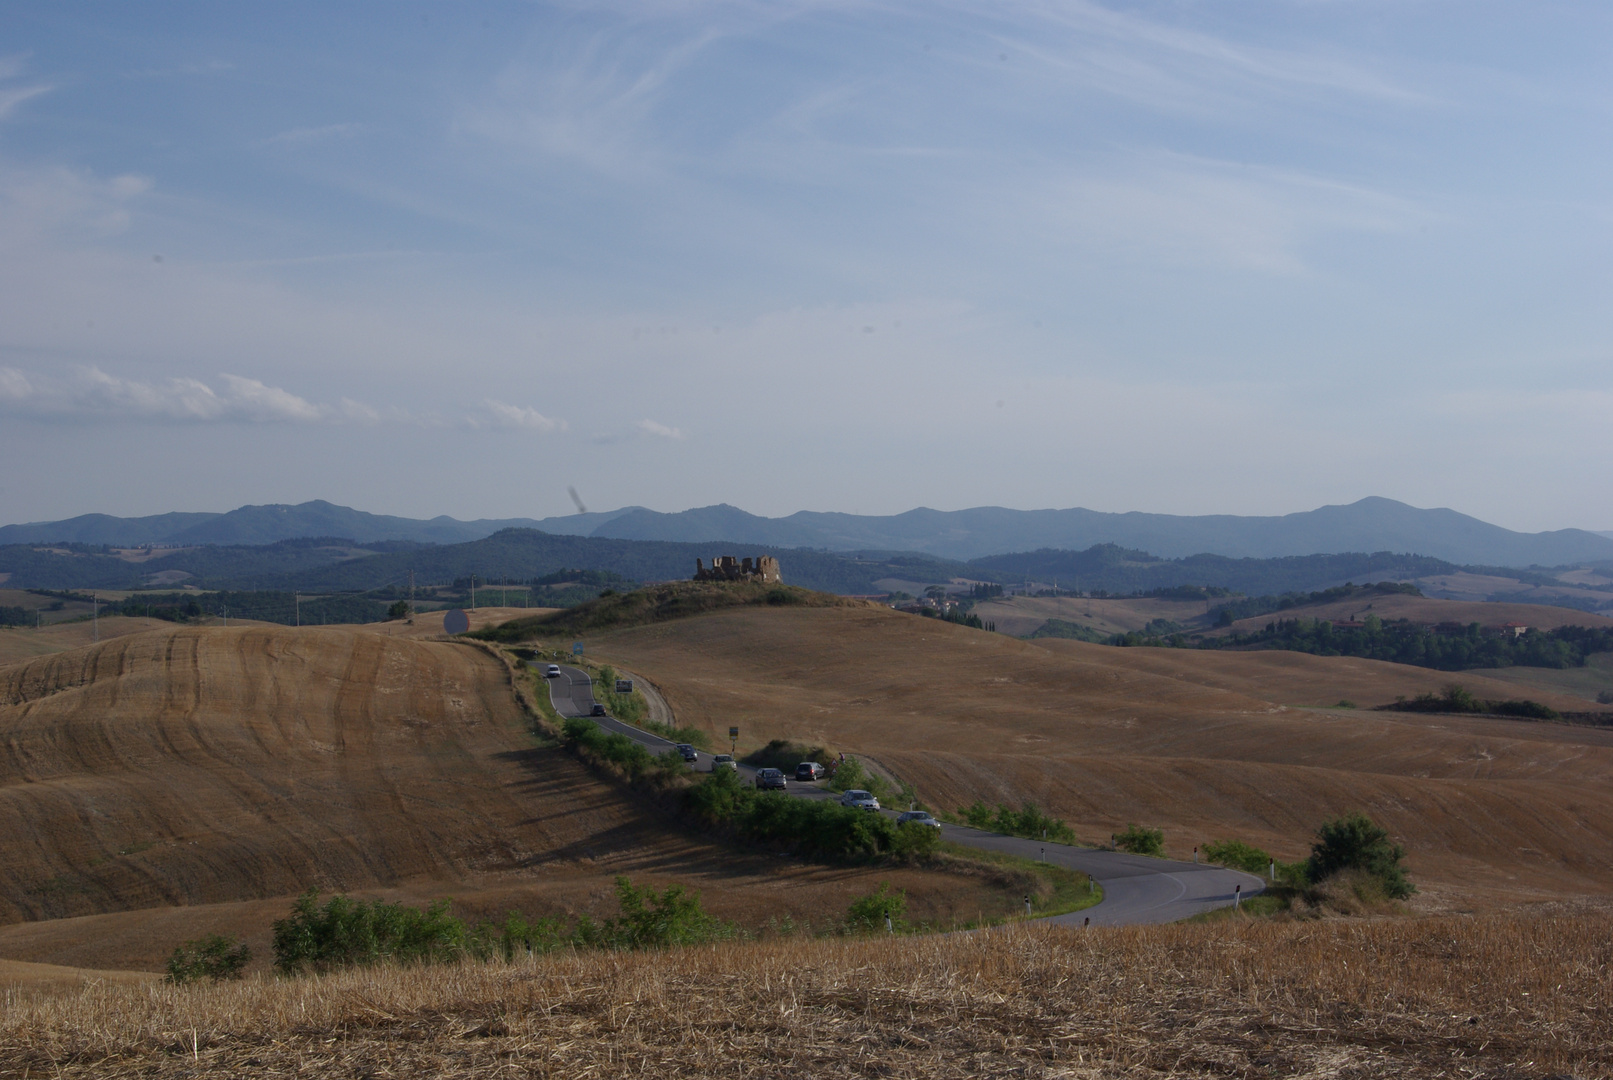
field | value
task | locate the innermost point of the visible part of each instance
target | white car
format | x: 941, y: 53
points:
x: 859, y: 800
x: 552, y: 671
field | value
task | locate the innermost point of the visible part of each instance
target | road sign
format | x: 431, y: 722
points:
x: 576, y: 648
x: 733, y: 739
x: 624, y: 686
x: 455, y: 622
x: 733, y: 733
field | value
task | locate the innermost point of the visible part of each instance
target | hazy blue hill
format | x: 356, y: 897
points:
x: 1371, y: 524
x: 103, y: 529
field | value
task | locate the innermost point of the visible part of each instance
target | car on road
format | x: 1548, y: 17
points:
x: 552, y: 671
x: 917, y: 817
x: 689, y: 752
x: 724, y: 761
x: 769, y: 780
x: 809, y: 770
x: 597, y: 710
x: 860, y: 800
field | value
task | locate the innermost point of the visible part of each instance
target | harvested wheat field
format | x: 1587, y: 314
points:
x: 25, y: 643
x: 1487, y: 996
x: 1207, y: 746
x: 1429, y: 611
x: 192, y: 780
x: 1020, y: 616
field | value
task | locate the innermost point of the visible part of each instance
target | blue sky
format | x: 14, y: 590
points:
x: 1190, y: 257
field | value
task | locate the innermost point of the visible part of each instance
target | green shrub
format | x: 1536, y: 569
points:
x: 1028, y: 821
x: 398, y: 610
x: 617, y: 749
x: 811, y: 827
x: 868, y: 913
x: 650, y: 920
x: 214, y: 957
x: 347, y: 932
x: 630, y: 707
x: 1356, y: 842
x: 1239, y: 856
x: 1140, y: 841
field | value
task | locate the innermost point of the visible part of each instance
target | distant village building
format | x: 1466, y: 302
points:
x: 1516, y: 629
x: 727, y: 568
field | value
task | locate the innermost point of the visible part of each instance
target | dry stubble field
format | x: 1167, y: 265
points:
x: 251, y: 758
x: 1500, y: 996
x: 192, y: 780
x: 1205, y: 745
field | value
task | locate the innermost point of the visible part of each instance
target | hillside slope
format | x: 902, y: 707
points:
x: 190, y: 780
x: 1205, y: 745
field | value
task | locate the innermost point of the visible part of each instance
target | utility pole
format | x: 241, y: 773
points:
x: 95, y: 615
x: 473, y: 592
x: 297, y: 599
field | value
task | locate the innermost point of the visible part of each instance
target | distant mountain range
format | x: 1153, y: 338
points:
x: 1370, y: 525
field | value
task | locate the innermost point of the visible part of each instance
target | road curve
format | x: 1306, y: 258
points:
x: 1136, y: 889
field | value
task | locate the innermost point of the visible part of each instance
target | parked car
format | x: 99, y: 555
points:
x: 689, y: 752
x: 809, y: 770
x: 597, y: 710
x: 552, y: 671
x: 724, y: 761
x: 917, y: 817
x: 769, y: 780
x: 860, y: 800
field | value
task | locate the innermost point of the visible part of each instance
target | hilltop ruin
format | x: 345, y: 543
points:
x: 763, y: 568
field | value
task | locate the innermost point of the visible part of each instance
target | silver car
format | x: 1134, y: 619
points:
x: 917, y: 817
x: 860, y: 800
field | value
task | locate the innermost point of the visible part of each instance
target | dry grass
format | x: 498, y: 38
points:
x: 1495, y: 996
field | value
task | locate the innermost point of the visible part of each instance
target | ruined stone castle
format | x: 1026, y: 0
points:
x: 728, y: 568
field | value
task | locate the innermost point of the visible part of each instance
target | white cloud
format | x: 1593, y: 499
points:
x: 91, y: 392
x: 660, y: 431
x: 501, y: 414
x: 359, y: 412
x: 261, y: 402
x: 14, y: 385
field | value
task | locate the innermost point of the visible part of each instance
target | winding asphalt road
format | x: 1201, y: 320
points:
x: 1136, y: 889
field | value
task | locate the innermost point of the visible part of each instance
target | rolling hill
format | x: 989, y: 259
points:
x: 182, y: 781
x: 1206, y: 746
